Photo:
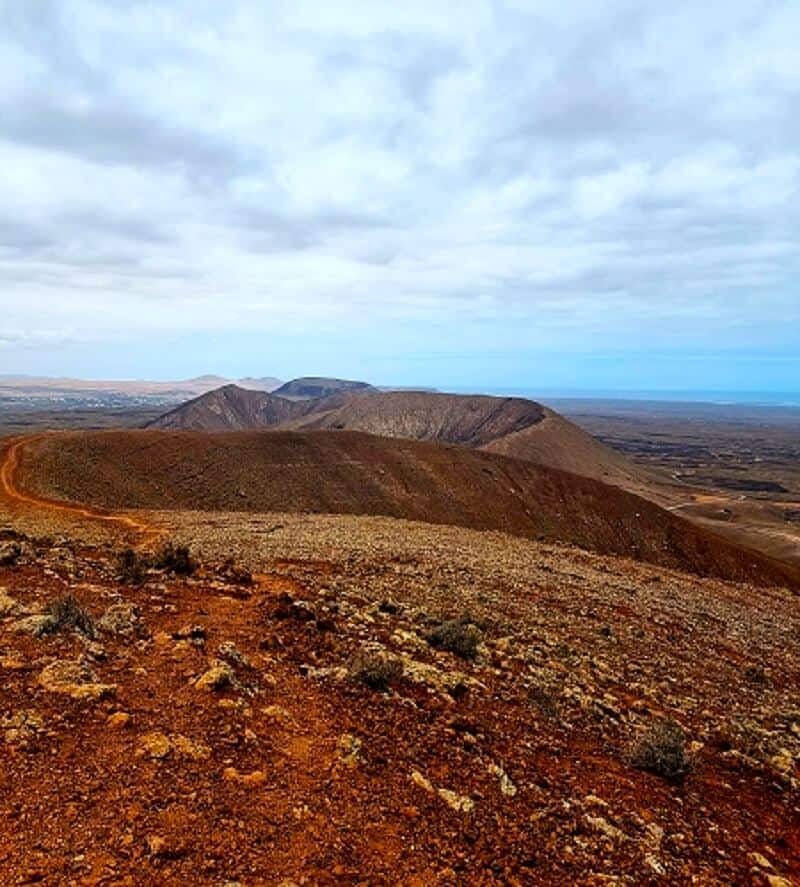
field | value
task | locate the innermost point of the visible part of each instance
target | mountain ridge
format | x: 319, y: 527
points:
x: 348, y: 472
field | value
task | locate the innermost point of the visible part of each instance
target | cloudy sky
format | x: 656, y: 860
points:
x: 535, y: 193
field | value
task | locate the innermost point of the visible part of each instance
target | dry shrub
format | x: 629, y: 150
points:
x: 460, y: 636
x: 175, y: 559
x: 662, y: 750
x: 375, y: 670
x: 67, y: 613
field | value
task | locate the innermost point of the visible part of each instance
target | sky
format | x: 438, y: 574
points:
x: 539, y: 195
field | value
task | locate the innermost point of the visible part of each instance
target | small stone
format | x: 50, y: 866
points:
x: 38, y: 625
x: 761, y: 861
x: 459, y: 803
x: 418, y: 779
x: 783, y: 762
x: 231, y: 653
x: 507, y: 787
x: 188, y: 748
x: 219, y: 676
x: 231, y: 774
x: 118, y: 720
x: 278, y: 713
x: 348, y: 749
x: 155, y: 745
x: 73, y: 679
x: 8, y: 606
x: 9, y: 553
x: 156, y: 845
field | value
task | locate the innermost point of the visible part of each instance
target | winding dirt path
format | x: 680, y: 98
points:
x: 13, y: 493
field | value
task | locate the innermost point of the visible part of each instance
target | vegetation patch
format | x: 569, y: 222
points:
x: 66, y: 613
x: 376, y: 670
x: 131, y: 567
x: 175, y: 559
x: 460, y: 636
x: 662, y: 750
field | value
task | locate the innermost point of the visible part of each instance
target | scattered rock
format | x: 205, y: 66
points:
x: 453, y: 683
x: 195, y: 634
x: 9, y: 553
x: 38, y: 625
x: 21, y: 727
x: 219, y: 676
x: 157, y: 746
x: 8, y: 606
x: 231, y: 774
x: 602, y: 825
x: 73, y: 679
x: 120, y: 619
x: 459, y: 803
x: 348, y: 750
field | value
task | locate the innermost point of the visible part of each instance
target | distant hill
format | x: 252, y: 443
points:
x: 349, y: 472
x: 265, y: 383
x: 311, y: 387
x: 230, y: 408
x: 46, y: 388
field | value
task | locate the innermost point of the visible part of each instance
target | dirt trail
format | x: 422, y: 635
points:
x: 9, y: 488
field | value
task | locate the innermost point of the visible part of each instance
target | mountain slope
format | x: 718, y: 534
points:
x: 511, y: 426
x: 467, y: 420
x: 355, y: 473
x: 229, y: 408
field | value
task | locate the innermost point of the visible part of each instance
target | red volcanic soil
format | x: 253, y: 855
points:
x: 209, y: 731
x: 354, y: 473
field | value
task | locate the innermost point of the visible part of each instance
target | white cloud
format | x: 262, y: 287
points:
x: 238, y: 167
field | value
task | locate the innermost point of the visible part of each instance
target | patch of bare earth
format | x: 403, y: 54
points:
x: 301, y: 729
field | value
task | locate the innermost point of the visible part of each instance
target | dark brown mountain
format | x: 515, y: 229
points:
x: 512, y: 426
x: 349, y: 472
x: 229, y: 408
x: 310, y: 387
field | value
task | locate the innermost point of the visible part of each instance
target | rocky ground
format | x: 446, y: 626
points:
x: 384, y: 702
